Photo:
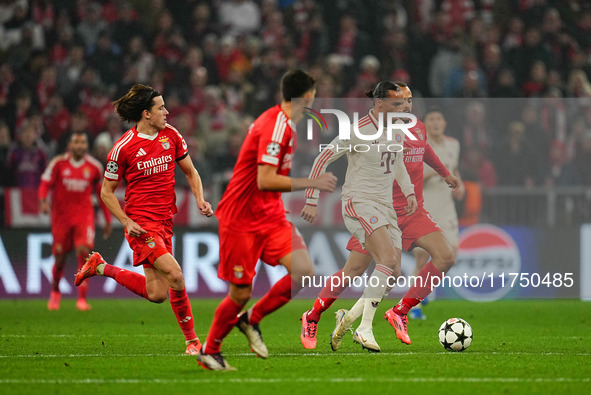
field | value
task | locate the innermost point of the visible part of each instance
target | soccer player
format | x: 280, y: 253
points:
x: 252, y: 223
x: 419, y: 229
x: 144, y: 158
x: 71, y: 179
x: 367, y: 198
x: 439, y: 199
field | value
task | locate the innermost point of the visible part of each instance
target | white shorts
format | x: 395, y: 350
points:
x: 363, y: 217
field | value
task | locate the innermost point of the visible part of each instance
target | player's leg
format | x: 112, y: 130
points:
x: 442, y: 259
x: 84, y: 243
x: 82, y: 253
x: 357, y: 263
x: 421, y: 259
x: 62, y: 244
x: 239, y: 253
x: 169, y: 268
x: 57, y: 273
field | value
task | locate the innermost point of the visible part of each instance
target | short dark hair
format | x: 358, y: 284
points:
x: 139, y: 98
x: 432, y: 110
x: 78, y: 133
x: 381, y: 90
x: 296, y: 83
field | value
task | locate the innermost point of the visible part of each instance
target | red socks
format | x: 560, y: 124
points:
x: 133, y: 281
x: 181, y: 306
x: 278, y: 295
x: 327, y: 296
x: 58, y: 273
x: 224, y: 319
x: 82, y: 288
x: 420, y: 290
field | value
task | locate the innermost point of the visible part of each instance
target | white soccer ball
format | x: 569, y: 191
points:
x: 455, y: 334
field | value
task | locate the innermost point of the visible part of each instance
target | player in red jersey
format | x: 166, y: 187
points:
x: 144, y: 157
x: 71, y: 178
x: 417, y: 230
x: 252, y: 223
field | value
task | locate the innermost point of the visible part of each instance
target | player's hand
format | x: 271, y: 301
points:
x: 107, y: 230
x: 459, y: 193
x: 412, y: 205
x: 133, y: 229
x: 453, y: 182
x: 326, y: 182
x: 205, y: 208
x: 44, y: 207
x: 309, y: 213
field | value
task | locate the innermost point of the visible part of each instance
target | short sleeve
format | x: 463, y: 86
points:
x: 180, y: 145
x: 273, y: 141
x: 115, y: 168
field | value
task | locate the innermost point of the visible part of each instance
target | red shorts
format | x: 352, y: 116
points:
x: 153, y: 244
x: 413, y: 227
x: 66, y: 236
x: 240, y: 251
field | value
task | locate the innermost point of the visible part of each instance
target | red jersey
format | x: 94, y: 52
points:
x: 270, y: 141
x: 146, y: 163
x: 72, y: 183
x: 420, y: 151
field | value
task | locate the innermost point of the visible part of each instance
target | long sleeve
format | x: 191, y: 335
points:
x: 47, y: 180
x: 333, y: 151
x: 432, y: 160
x: 402, y: 177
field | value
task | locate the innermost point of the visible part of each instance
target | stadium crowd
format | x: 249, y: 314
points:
x: 218, y: 63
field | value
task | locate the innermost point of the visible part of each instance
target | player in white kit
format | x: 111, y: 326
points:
x: 368, y: 212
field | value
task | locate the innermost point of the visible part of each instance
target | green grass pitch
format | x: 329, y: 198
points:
x: 131, y: 346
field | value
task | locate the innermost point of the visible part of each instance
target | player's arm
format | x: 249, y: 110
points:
x: 432, y: 160
x: 269, y: 180
x: 328, y: 155
x: 408, y: 189
x: 108, y: 229
x: 110, y: 200
x: 186, y: 165
x: 47, y: 181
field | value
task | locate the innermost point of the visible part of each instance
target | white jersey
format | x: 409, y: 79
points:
x: 437, y: 194
x: 373, y: 165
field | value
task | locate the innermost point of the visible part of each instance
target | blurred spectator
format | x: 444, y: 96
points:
x: 559, y: 171
x: 26, y: 160
x: 239, y: 16
x: 216, y: 122
x: 91, y: 26
x: 105, y: 56
x: 476, y: 133
x: 228, y: 57
x: 202, y: 24
x: 447, y: 58
x: 514, y: 160
x: 127, y: 26
x: 225, y: 159
x: 468, y: 78
x: 5, y: 146
x: 138, y: 57
x: 351, y: 43
x: 583, y: 160
x: 504, y: 86
x: 475, y: 166
x: 535, y: 136
x: 578, y: 85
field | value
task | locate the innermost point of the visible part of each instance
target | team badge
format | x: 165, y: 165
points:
x: 273, y: 149
x: 86, y: 172
x: 165, y: 143
x: 150, y: 242
x: 420, y: 135
x: 238, y: 271
x: 373, y: 220
x: 112, y: 167
x: 398, y: 138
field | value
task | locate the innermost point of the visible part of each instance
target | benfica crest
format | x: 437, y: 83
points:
x: 420, y: 135
x: 164, y: 142
x: 238, y: 271
x: 150, y: 242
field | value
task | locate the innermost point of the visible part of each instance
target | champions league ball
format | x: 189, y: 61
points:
x: 455, y: 334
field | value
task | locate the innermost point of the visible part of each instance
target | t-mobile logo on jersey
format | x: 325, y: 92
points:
x: 388, y: 160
